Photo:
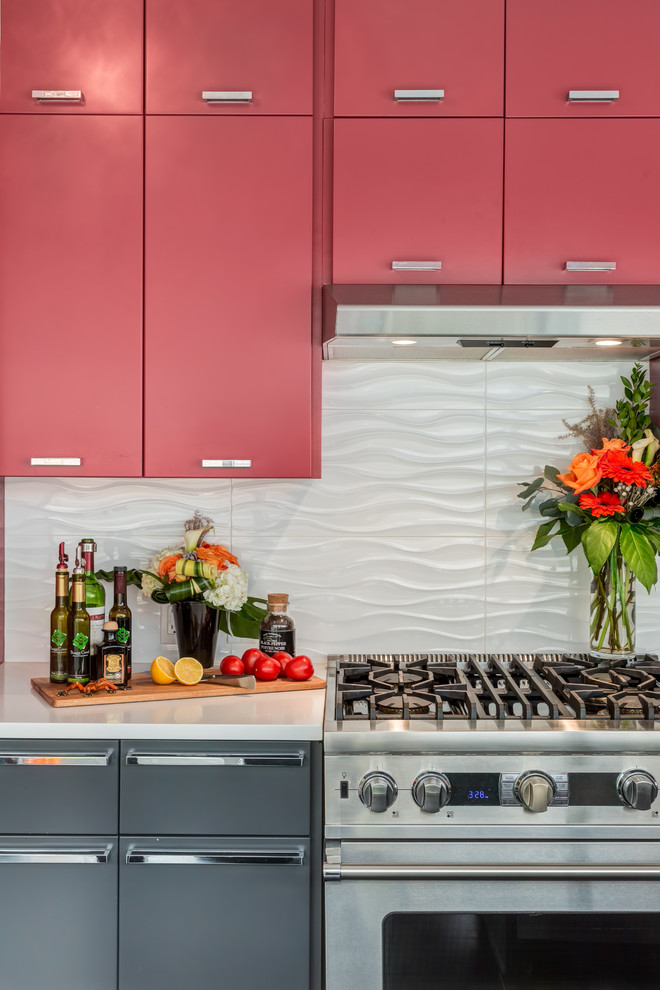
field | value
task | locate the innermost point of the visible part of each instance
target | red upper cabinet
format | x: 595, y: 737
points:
x: 577, y: 58
x: 70, y: 295
x: 419, y: 58
x: 418, y: 201
x: 71, y: 56
x: 228, y: 349
x: 582, y: 201
x: 229, y: 56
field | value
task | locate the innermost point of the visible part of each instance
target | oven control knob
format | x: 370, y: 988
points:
x: 535, y: 790
x: 637, y: 789
x: 377, y: 791
x: 431, y: 791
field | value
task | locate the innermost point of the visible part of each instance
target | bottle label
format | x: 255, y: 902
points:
x: 277, y: 641
x: 96, y: 620
x: 80, y: 641
x: 58, y: 638
x: 123, y: 635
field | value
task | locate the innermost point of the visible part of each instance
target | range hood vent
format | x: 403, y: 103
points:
x: 491, y: 322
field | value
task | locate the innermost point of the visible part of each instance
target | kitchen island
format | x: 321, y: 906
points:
x: 179, y: 840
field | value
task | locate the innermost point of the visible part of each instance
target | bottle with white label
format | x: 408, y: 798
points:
x: 277, y: 631
x: 94, y: 604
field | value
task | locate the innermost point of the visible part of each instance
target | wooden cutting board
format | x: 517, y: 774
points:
x: 143, y: 689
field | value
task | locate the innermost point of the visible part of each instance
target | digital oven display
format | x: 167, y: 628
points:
x: 475, y: 788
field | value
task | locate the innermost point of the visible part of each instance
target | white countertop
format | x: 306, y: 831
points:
x: 294, y: 715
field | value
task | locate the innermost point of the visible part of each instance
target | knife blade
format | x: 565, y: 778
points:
x: 247, y: 681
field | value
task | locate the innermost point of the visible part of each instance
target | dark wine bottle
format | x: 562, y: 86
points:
x: 94, y: 603
x: 59, y: 623
x: 121, y: 614
x: 78, y: 630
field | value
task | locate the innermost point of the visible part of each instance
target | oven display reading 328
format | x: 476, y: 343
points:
x: 478, y: 795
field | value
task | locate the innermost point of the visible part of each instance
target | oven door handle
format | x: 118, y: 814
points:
x: 337, y: 871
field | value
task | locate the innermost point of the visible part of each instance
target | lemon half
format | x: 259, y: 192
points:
x: 162, y: 671
x: 187, y: 670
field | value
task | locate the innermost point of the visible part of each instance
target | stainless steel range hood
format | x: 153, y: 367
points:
x: 491, y: 322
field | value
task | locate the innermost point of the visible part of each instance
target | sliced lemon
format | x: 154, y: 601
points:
x: 162, y: 671
x: 187, y: 670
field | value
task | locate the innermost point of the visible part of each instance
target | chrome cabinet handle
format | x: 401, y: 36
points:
x: 56, y: 759
x: 214, y: 760
x: 57, y: 95
x: 226, y: 464
x: 58, y: 856
x: 591, y: 266
x: 416, y: 266
x: 55, y: 461
x: 593, y: 95
x: 335, y: 871
x: 222, y: 857
x: 227, y: 96
x: 419, y: 95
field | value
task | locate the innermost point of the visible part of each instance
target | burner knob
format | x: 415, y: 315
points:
x: 377, y: 791
x: 535, y: 790
x: 637, y: 789
x: 431, y: 791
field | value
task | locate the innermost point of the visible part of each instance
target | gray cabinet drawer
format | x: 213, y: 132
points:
x: 209, y: 788
x: 243, y: 907
x: 68, y: 787
x: 58, y: 913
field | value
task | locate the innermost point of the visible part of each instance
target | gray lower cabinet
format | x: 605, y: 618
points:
x: 214, y: 914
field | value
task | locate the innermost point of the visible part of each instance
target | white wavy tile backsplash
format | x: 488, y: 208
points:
x: 412, y: 540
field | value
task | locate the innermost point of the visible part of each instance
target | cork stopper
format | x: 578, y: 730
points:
x: 278, y: 603
x: 110, y: 626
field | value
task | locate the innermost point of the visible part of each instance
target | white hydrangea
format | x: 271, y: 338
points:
x: 149, y: 583
x: 230, y: 590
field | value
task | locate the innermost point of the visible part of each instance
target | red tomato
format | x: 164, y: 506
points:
x: 266, y: 668
x: 283, y: 659
x: 232, y: 665
x: 249, y: 658
x: 299, y: 669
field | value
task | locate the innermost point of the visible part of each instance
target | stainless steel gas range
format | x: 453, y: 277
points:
x: 484, y: 813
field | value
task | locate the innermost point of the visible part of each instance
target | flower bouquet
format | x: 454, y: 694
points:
x: 606, y: 502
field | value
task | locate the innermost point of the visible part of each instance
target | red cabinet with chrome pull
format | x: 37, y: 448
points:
x: 228, y: 353
x: 70, y: 295
x: 418, y: 201
x: 582, y: 58
x: 419, y: 58
x: 71, y: 56
x: 582, y: 202
x: 229, y: 56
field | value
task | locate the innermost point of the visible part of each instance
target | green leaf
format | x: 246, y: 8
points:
x: 531, y: 488
x: 639, y: 554
x: 245, y: 622
x: 544, y: 534
x: 598, y: 540
x: 653, y: 536
x: 572, y: 536
x: 573, y: 509
x: 550, y: 508
x: 550, y: 473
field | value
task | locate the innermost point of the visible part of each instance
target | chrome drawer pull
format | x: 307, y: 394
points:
x: 336, y: 871
x: 593, y: 95
x: 226, y: 464
x: 214, y: 760
x: 60, y: 857
x: 419, y: 95
x: 236, y: 96
x: 591, y: 266
x: 55, y: 759
x: 228, y: 857
x: 57, y: 95
x: 416, y: 266
x: 55, y: 461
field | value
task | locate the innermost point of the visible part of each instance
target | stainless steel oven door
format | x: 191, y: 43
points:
x: 507, y: 897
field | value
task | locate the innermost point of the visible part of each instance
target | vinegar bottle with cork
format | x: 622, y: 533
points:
x: 277, y: 631
x: 59, y: 622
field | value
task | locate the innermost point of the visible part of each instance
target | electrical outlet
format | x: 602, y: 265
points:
x: 167, y: 634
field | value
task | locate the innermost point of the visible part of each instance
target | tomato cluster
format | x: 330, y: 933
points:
x: 268, y: 668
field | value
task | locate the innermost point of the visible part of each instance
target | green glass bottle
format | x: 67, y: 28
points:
x: 78, y: 630
x: 94, y: 603
x: 121, y: 614
x: 59, y: 623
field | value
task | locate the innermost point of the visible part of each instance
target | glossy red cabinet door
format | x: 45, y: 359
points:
x: 601, y: 51
x: 70, y: 295
x: 583, y: 194
x: 418, y: 201
x: 449, y: 47
x: 82, y: 56
x: 228, y: 297
x: 247, y: 56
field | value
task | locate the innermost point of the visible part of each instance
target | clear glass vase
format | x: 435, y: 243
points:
x: 612, y: 631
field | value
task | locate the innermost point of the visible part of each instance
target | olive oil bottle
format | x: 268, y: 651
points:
x: 78, y: 630
x: 59, y: 623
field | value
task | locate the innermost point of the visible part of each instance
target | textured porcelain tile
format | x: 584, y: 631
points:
x: 359, y: 594
x: 553, y: 386
x: 408, y: 472
x: 403, y: 385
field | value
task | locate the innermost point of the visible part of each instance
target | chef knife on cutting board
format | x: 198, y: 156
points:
x: 247, y: 681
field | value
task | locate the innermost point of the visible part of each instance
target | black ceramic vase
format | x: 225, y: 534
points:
x: 196, y: 628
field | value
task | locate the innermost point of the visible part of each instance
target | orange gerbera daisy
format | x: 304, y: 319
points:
x: 601, y: 505
x: 215, y: 553
x: 619, y: 467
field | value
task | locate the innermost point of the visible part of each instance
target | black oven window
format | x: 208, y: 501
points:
x: 521, y: 952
